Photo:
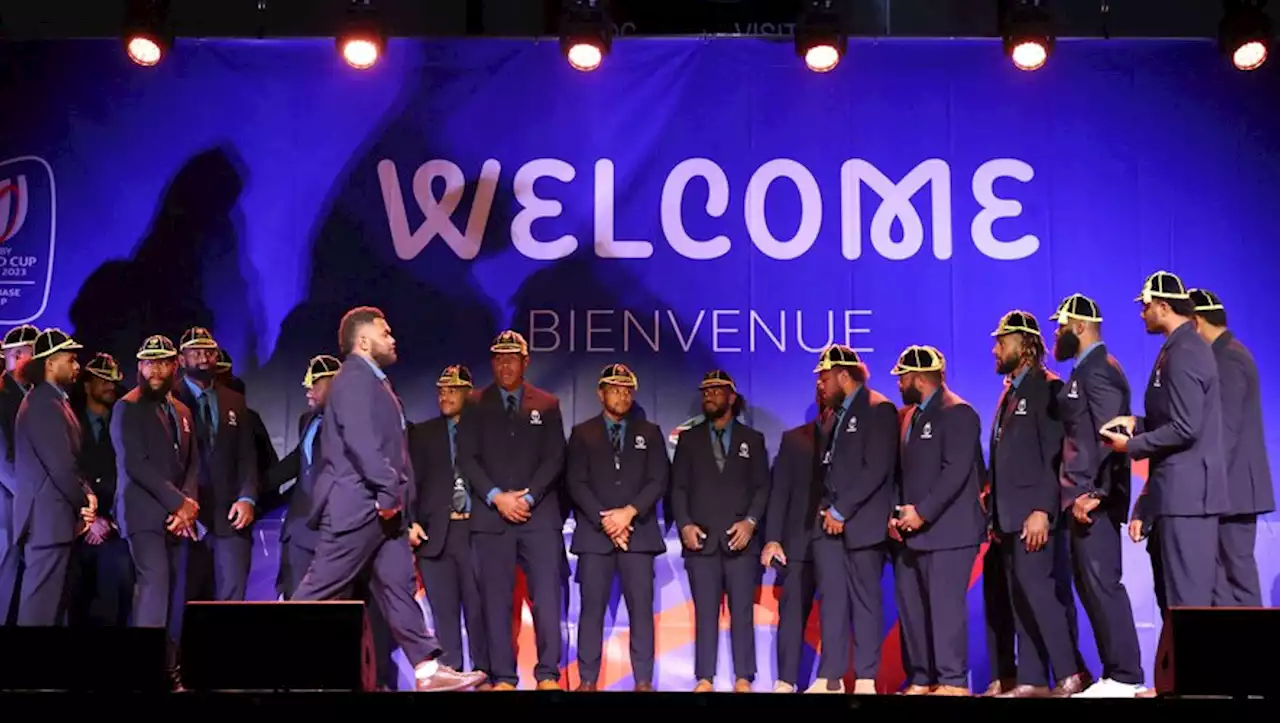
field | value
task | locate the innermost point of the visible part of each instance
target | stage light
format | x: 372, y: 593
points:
x: 361, y: 41
x: 586, y: 33
x: 1026, y: 30
x: 820, y: 39
x: 1245, y: 33
x: 145, y: 34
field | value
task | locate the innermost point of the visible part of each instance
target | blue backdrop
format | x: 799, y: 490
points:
x: 690, y: 205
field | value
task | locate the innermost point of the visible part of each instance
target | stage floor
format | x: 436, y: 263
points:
x: 248, y: 706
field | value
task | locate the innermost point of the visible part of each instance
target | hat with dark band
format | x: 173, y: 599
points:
x: 509, y: 342
x: 1077, y: 307
x: 319, y: 367
x: 918, y: 358
x: 197, y: 337
x: 24, y: 335
x: 1205, y: 300
x: 1162, y: 285
x: 1017, y: 321
x: 157, y: 347
x: 104, y: 366
x: 619, y: 375
x: 52, y: 341
x: 837, y: 355
x: 224, y: 360
x: 457, y: 376
x: 718, y: 378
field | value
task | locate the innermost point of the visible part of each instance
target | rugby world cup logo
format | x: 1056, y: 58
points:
x: 28, y: 224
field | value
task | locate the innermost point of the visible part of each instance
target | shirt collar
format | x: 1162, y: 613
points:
x: 1017, y: 378
x: 377, y: 371
x: 848, y: 398
x: 1087, y: 349
x: 196, y: 390
x: 925, y: 402
x: 61, y: 391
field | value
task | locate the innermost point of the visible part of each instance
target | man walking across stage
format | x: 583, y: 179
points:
x: 363, y: 487
x: 1244, y: 446
x: 618, y: 471
x: 1095, y: 493
x: 850, y: 548
x: 512, y: 452
x: 940, y: 522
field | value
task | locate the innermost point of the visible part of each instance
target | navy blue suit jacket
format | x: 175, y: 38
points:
x: 1181, y: 434
x: 294, y: 466
x: 712, y: 499
x: 863, y: 460
x: 364, y: 458
x: 11, y: 396
x: 433, y: 470
x: 941, y: 474
x: 153, y: 474
x: 233, y: 471
x: 1025, y: 458
x: 51, y: 487
x: 1244, y: 442
x: 1096, y: 392
x: 796, y: 489
x: 595, y: 485
x: 503, y: 454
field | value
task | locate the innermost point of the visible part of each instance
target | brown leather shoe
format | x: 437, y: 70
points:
x: 997, y: 687
x: 503, y: 687
x: 585, y: 687
x: 549, y: 685
x: 1072, y: 685
x: 446, y: 679
x: 1026, y: 691
x: 951, y: 691
x: 704, y: 686
x: 918, y: 690
x: 644, y: 686
x: 742, y: 685
x: 484, y: 687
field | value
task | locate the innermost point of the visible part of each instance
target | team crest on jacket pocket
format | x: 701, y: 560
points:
x: 640, y: 443
x: 744, y: 451
x: 535, y: 417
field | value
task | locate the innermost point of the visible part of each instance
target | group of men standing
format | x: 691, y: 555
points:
x: 485, y: 488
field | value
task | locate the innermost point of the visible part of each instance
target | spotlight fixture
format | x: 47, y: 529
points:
x: 820, y: 38
x: 361, y: 41
x: 1244, y: 34
x: 1027, y: 31
x: 146, y: 35
x: 586, y: 33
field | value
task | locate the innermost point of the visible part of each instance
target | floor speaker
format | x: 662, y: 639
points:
x: 83, y: 659
x: 277, y: 646
x: 1224, y: 651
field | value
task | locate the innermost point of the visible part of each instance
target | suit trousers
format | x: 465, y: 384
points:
x: 540, y: 553
x: 1043, y: 634
x: 160, y: 586
x: 101, y: 583
x: 798, y: 590
x: 1237, y: 584
x: 453, y: 592
x: 596, y: 573
x: 931, y: 588
x: 379, y: 552
x: 712, y: 578
x: 218, y: 568
x: 44, y: 594
x: 1188, y: 550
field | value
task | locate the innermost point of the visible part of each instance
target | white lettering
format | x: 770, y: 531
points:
x: 592, y: 330
x: 629, y: 320
x: 717, y: 204
x: 534, y: 208
x: 717, y: 330
x: 995, y: 208
x: 810, y: 209
x: 779, y: 340
x: 896, y: 204
x: 437, y: 212
x: 607, y: 247
x: 850, y: 329
x: 535, y: 329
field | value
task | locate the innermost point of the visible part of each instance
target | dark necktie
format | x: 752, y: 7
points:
x: 911, y: 425
x: 511, y: 407
x: 615, y: 441
x: 99, y: 428
x: 460, y: 494
x: 206, y: 422
x: 1005, y: 404
x: 172, y: 416
x: 831, y: 436
x: 717, y: 449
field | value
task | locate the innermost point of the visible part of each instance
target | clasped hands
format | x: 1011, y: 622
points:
x: 739, y: 533
x: 616, y: 523
x: 908, y: 520
x: 182, y: 521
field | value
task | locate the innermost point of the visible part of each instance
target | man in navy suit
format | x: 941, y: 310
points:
x: 364, y: 484
x: 1095, y: 493
x: 512, y: 451
x: 157, y: 484
x: 720, y: 486
x: 849, y: 550
x: 1181, y: 434
x: 294, y: 479
x: 789, y: 522
x: 102, y: 573
x: 1026, y: 444
x: 1244, y: 445
x: 54, y: 503
x: 17, y: 350
x: 618, y: 471
x: 940, y: 522
x: 440, y: 532
x: 229, y: 483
